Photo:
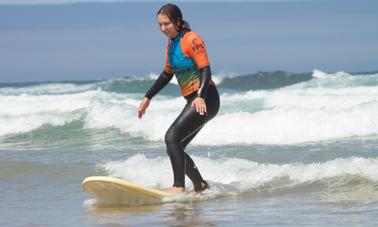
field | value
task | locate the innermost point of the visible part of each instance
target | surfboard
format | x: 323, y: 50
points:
x: 118, y: 192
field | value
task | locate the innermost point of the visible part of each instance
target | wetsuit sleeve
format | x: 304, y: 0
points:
x: 205, y: 79
x: 161, y: 82
x: 195, y: 48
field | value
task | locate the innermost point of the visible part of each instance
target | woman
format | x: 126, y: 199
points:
x: 186, y: 58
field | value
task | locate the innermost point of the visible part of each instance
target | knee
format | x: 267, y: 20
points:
x: 171, y: 141
x: 171, y: 137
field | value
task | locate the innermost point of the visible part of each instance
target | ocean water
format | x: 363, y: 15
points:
x: 285, y: 149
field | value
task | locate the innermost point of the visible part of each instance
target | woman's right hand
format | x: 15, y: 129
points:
x: 143, y: 106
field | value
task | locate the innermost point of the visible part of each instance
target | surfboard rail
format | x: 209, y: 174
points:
x: 115, y: 191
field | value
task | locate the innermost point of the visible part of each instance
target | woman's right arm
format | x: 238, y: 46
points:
x: 161, y: 82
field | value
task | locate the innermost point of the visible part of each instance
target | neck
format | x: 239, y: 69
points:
x: 177, y: 35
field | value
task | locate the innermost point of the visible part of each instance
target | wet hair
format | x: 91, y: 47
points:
x: 174, y: 14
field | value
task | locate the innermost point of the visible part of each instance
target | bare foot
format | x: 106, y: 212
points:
x: 175, y: 190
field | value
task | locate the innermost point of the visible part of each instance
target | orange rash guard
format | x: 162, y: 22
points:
x: 185, y: 55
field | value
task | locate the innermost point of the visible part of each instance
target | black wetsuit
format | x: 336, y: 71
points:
x: 189, y: 122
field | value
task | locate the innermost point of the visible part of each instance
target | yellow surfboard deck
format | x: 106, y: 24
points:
x: 115, y: 191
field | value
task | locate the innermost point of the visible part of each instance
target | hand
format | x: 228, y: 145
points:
x: 143, y: 106
x: 200, y: 105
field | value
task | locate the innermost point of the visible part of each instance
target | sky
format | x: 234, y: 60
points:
x: 34, y: 2
x: 44, y: 41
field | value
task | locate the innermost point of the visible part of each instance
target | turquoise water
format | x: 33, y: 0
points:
x: 303, y: 152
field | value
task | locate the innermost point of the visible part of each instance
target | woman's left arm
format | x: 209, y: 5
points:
x: 197, y: 51
x: 205, y: 77
x: 199, y: 102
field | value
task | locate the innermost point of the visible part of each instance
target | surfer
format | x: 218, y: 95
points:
x: 186, y: 58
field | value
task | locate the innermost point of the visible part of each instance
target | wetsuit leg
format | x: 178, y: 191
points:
x: 182, y: 131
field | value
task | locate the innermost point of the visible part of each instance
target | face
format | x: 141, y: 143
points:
x: 166, y: 26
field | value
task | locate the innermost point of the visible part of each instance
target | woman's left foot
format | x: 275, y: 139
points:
x: 175, y: 190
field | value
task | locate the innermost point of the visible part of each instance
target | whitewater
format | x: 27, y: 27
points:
x: 324, y: 108
x: 284, y: 149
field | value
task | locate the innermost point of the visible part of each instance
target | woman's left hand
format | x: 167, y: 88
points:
x: 200, y: 105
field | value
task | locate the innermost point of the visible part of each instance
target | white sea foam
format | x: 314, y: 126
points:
x: 123, y: 116
x: 217, y: 78
x: 305, y: 112
x: 45, y: 89
x: 23, y: 113
x: 341, y: 79
x: 241, y: 175
x: 282, y: 126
